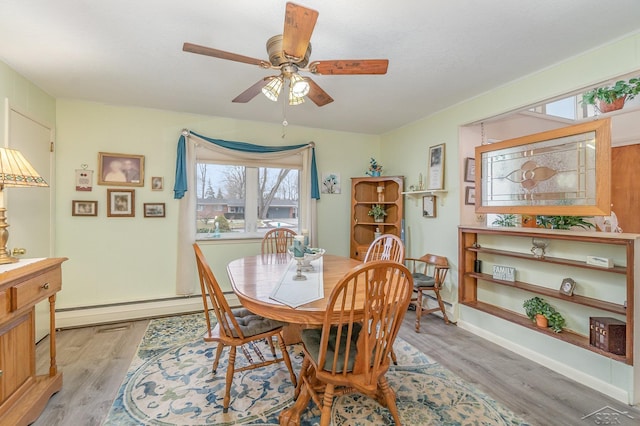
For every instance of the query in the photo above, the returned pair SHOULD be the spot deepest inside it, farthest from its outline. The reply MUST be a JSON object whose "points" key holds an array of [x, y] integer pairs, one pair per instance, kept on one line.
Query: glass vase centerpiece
{"points": [[304, 255]]}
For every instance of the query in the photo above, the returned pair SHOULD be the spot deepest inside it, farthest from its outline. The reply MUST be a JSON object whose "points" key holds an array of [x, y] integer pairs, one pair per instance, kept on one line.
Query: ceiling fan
{"points": [[289, 53]]}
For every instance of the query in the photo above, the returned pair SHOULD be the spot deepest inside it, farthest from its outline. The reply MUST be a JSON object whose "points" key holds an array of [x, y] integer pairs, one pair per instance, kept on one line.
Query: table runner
{"points": [[296, 293]]}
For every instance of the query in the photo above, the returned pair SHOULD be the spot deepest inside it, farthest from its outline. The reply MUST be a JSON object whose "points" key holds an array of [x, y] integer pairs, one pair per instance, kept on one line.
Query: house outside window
{"points": [[244, 201]]}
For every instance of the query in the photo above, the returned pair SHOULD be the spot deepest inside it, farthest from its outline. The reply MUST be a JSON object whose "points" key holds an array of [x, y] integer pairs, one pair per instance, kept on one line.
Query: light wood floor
{"points": [[94, 361]]}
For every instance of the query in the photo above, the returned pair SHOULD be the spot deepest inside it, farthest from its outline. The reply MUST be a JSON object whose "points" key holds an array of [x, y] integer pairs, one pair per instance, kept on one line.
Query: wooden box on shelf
{"points": [[608, 334], [366, 192]]}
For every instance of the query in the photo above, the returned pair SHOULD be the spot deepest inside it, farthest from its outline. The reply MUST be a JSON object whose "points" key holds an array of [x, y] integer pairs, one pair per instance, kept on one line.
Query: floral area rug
{"points": [[170, 383]]}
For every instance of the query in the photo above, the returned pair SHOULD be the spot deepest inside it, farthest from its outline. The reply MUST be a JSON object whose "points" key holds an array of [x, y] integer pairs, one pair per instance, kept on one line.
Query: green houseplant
{"points": [[537, 306], [611, 98], [507, 220], [378, 213], [564, 222]]}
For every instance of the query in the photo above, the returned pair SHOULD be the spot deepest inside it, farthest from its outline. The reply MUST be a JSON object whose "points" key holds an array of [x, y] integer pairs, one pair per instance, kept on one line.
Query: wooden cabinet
{"points": [[611, 291], [365, 192], [23, 393]]}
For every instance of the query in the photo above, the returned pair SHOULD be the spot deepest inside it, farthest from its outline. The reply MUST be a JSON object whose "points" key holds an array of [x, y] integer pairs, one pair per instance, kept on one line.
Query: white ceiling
{"points": [[129, 52]]}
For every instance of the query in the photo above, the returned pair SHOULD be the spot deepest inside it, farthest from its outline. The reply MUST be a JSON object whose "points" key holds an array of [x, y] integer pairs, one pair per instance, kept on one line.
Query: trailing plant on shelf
{"points": [[564, 222], [537, 306], [508, 220], [378, 212], [375, 169], [621, 92]]}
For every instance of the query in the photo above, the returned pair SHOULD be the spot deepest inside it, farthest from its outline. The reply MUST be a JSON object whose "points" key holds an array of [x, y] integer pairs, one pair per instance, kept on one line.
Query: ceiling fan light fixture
{"points": [[299, 86], [293, 99], [273, 88]]}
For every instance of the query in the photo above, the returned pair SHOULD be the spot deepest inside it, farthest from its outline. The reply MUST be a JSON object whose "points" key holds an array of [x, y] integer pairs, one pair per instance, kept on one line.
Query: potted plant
{"points": [[611, 98], [543, 314], [375, 169], [378, 213], [507, 220], [564, 222]]}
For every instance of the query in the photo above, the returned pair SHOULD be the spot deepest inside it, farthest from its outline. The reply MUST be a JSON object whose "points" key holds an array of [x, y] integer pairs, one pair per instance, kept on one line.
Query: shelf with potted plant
{"points": [[612, 97], [374, 193], [497, 245]]}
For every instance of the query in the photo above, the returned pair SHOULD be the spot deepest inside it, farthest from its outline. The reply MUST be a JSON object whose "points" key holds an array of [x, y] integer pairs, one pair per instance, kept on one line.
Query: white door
{"points": [[29, 209]]}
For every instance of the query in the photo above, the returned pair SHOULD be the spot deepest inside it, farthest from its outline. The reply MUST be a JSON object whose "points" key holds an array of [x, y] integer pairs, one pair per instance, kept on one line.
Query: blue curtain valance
{"points": [[180, 186]]}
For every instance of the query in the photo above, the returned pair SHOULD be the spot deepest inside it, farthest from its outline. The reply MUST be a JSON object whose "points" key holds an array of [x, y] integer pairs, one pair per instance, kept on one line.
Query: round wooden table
{"points": [[254, 278]]}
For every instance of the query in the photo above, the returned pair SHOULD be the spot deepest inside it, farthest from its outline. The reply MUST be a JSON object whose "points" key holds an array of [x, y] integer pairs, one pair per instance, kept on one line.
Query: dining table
{"points": [[254, 279]]}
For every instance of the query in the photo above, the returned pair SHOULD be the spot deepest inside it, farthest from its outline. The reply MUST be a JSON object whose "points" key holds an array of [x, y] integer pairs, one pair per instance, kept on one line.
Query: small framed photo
{"points": [[567, 287], [469, 169], [154, 210], [429, 206], [84, 208], [470, 195], [436, 167], [121, 202], [157, 183], [120, 169]]}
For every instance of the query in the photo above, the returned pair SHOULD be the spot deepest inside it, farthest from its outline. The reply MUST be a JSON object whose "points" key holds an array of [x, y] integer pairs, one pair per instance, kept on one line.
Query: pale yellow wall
{"points": [[132, 259]]}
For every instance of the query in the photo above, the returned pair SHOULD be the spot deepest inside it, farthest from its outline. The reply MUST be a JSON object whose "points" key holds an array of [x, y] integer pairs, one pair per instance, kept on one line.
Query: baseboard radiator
{"points": [[130, 311]]}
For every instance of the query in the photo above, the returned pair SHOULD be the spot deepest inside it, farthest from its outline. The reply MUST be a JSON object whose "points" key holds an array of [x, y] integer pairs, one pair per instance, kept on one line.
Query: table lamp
{"points": [[15, 171]]}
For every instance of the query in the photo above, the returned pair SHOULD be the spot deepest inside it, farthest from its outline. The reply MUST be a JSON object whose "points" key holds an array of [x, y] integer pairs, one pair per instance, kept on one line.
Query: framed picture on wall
{"points": [[120, 169], [84, 208], [154, 210], [157, 183], [121, 202], [470, 195], [436, 167], [429, 206], [469, 169]]}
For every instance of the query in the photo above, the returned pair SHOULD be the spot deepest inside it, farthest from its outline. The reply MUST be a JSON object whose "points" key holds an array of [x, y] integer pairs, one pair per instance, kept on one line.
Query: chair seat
{"points": [[423, 280], [251, 324], [311, 339]]}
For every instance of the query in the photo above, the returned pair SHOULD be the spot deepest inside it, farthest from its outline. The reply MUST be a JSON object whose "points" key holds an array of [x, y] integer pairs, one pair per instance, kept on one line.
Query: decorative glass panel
{"points": [[560, 172]]}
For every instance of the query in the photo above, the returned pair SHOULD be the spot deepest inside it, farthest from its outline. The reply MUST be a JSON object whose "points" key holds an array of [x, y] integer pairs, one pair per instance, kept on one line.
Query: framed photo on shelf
{"points": [[469, 169], [154, 210], [84, 208], [436, 167], [157, 183], [567, 287], [121, 202], [429, 206], [470, 195], [120, 169]]}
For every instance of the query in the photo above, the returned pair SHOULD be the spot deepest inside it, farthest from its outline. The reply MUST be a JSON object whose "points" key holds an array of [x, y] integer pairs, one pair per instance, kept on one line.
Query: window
{"points": [[239, 201]]}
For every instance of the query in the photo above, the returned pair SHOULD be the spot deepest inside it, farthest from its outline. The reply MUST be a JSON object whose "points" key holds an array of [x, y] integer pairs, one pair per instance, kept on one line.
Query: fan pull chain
{"points": [[285, 123]]}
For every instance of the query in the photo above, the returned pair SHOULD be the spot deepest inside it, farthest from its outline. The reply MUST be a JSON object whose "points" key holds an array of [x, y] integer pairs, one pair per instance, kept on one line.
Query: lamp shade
{"points": [[273, 87], [299, 87], [15, 170]]}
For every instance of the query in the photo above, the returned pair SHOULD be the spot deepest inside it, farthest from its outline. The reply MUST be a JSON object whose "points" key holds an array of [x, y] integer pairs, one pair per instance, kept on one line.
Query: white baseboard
{"points": [[564, 369], [80, 317]]}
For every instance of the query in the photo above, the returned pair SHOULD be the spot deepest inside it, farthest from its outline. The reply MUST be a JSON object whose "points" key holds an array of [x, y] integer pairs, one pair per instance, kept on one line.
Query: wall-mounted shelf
{"points": [[440, 193], [468, 293]]}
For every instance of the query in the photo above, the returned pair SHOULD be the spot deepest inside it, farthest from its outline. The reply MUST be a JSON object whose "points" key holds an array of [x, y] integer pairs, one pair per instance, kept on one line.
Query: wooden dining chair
{"points": [[277, 240], [350, 353], [429, 273], [236, 327], [386, 247]]}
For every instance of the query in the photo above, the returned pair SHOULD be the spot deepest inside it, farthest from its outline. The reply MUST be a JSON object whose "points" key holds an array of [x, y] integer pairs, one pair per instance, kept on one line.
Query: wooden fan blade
{"points": [[298, 26], [209, 51], [251, 92], [350, 66], [316, 94]]}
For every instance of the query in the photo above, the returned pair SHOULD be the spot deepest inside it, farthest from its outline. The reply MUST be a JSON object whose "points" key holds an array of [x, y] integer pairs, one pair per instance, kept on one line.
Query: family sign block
{"points": [[504, 273]]}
